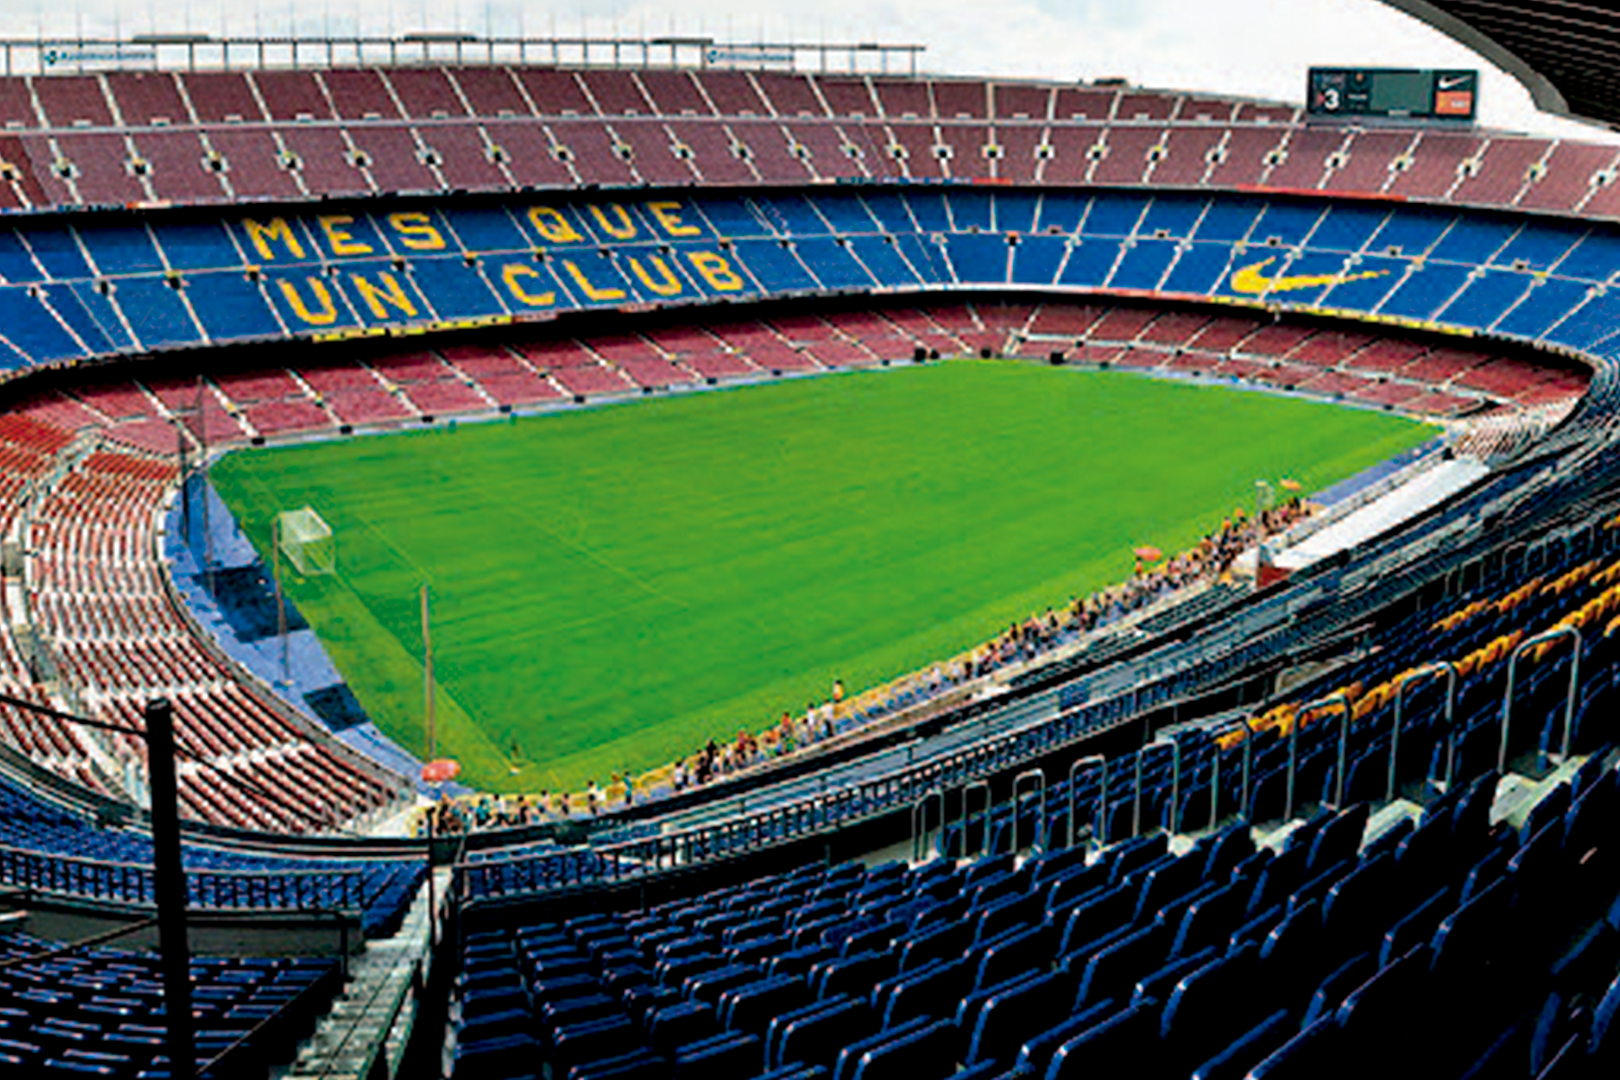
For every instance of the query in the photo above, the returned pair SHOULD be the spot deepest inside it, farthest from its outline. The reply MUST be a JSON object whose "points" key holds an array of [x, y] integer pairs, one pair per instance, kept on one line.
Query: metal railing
{"points": [[197, 51], [1338, 701], [1016, 801], [1099, 817], [133, 883], [1546, 637], [1427, 671]]}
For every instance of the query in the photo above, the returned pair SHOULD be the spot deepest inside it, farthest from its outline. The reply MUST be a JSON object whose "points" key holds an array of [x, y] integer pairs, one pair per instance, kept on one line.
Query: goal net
{"points": [[307, 541]]}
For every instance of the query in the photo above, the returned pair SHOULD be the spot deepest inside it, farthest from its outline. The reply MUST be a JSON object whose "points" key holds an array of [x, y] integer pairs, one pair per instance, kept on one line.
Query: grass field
{"points": [[612, 586]]}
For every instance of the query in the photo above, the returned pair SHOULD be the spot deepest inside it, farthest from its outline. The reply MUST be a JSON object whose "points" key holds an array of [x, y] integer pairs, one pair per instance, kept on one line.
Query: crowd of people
{"points": [[1209, 561]]}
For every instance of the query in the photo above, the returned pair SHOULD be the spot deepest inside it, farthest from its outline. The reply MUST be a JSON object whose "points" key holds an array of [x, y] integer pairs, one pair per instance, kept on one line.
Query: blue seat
{"points": [[1417, 926], [777, 1028], [1339, 838], [731, 1056], [816, 1039], [1097, 915], [638, 1064], [1387, 1001], [1111, 1049], [1225, 850], [708, 985], [1008, 1018], [674, 1026], [929, 1051], [1311, 1054], [1006, 913], [1209, 920], [578, 1044], [1425, 857], [1016, 951], [750, 1007], [967, 1009], [1249, 1048], [851, 1050], [929, 991], [1468, 939], [1214, 1000], [1168, 881], [1361, 903], [934, 943], [1114, 969], [1035, 1054], [510, 1056], [1338, 984], [798, 961], [1281, 876], [1257, 927], [796, 1071], [1159, 984], [1129, 855]]}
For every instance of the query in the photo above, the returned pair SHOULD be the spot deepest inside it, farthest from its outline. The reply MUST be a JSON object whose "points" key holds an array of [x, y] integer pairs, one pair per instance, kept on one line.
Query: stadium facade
{"points": [[1360, 818]]}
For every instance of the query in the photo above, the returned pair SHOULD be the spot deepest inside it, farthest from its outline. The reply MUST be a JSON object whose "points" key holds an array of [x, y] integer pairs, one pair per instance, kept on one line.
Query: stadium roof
{"points": [[1563, 51]]}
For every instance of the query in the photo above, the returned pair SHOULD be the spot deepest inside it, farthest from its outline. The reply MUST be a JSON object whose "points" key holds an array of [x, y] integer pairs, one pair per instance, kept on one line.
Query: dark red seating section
{"points": [[361, 130], [97, 594]]}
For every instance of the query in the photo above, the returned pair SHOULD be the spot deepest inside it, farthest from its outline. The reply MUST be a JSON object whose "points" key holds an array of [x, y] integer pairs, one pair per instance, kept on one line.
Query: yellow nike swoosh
{"points": [[1252, 280]]}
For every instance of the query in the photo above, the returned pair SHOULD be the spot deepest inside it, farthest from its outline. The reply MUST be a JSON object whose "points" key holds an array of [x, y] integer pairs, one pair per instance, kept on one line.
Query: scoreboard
{"points": [[1394, 93]]}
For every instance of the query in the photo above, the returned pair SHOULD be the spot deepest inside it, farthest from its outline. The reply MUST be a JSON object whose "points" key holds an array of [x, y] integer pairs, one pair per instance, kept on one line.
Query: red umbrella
{"points": [[1148, 553], [440, 771]]}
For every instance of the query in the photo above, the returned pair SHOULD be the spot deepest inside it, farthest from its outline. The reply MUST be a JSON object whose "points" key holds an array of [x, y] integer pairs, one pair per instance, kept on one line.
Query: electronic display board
{"points": [[1393, 93]]}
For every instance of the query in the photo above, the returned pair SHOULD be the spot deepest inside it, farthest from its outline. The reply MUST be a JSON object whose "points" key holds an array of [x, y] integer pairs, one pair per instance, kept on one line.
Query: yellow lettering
{"points": [[669, 286], [326, 316], [624, 230], [380, 298], [416, 231], [592, 292], [275, 229], [716, 271], [340, 240], [551, 224], [668, 215], [512, 272]]}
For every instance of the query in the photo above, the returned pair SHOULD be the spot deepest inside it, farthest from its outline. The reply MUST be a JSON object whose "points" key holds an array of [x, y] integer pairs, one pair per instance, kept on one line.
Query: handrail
{"points": [[1040, 791], [1544, 638], [1074, 830], [1246, 791], [1427, 671], [71, 875], [1175, 786], [919, 817], [1136, 802], [1337, 700], [984, 816]]}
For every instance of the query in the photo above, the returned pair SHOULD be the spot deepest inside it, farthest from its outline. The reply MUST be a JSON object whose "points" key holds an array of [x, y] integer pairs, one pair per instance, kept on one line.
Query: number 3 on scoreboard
{"points": [[1330, 98]]}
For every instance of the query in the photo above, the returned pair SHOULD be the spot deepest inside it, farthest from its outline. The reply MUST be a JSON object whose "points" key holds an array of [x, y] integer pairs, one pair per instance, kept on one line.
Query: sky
{"points": [[1258, 48]]}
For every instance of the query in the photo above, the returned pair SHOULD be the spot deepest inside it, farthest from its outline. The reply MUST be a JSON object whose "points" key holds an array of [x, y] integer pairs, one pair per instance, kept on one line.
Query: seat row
{"points": [[1335, 948]]}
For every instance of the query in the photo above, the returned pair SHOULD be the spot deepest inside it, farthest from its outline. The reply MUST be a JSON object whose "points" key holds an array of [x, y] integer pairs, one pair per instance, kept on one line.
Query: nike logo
{"points": [[1451, 82], [1252, 280]]}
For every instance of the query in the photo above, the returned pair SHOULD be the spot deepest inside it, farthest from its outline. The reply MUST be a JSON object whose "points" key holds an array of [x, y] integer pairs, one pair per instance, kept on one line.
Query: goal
{"points": [[307, 541]]}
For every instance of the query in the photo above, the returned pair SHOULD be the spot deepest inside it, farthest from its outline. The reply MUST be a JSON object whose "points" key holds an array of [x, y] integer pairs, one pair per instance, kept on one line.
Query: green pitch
{"points": [[611, 587]]}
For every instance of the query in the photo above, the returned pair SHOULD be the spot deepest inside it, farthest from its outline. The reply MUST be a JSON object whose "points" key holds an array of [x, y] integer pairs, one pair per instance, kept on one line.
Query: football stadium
{"points": [[568, 558]]}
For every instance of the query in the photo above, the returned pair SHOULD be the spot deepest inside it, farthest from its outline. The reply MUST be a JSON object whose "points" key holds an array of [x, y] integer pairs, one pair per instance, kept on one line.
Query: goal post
{"points": [[307, 541]]}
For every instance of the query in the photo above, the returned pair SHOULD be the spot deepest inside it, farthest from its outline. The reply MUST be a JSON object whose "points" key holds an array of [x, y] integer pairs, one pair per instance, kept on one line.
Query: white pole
{"points": [[281, 600], [427, 678]]}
